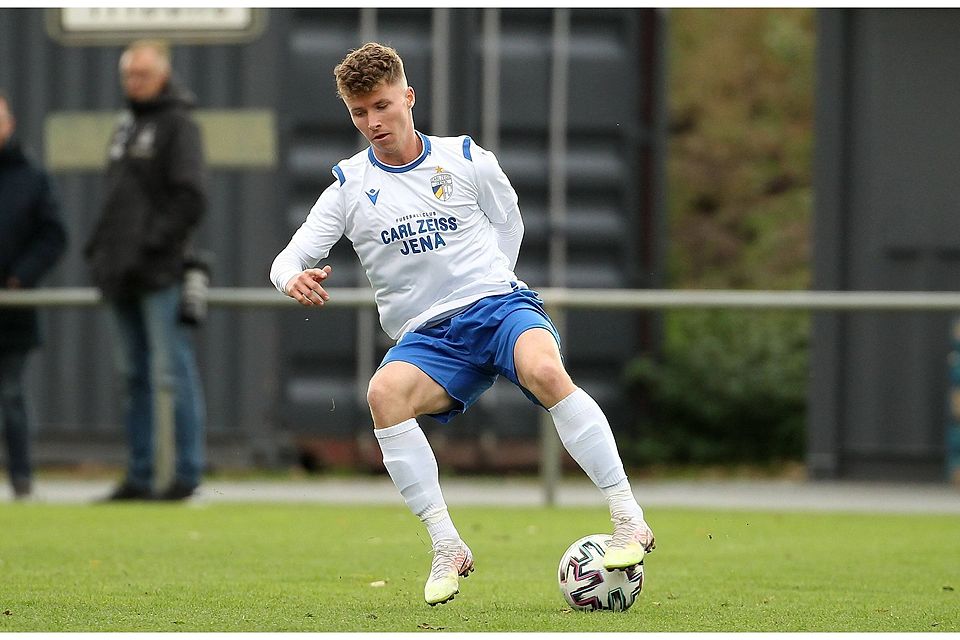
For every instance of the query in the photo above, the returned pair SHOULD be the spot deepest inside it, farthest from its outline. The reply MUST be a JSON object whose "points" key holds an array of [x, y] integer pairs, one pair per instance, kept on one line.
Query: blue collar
{"points": [[413, 164]]}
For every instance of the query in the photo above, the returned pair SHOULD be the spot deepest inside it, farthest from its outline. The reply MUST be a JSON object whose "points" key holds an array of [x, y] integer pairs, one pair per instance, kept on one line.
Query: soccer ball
{"points": [[587, 586]]}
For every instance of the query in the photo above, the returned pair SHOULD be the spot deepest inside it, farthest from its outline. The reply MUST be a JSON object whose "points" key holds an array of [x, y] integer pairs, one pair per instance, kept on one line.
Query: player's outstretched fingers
{"points": [[305, 287], [311, 279], [314, 295]]}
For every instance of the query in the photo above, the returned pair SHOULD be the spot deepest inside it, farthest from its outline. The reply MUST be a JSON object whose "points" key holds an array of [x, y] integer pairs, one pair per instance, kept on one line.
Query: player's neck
{"points": [[409, 151]]}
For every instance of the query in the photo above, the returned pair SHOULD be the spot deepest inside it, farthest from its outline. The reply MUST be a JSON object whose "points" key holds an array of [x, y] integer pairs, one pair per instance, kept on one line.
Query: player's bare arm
{"points": [[306, 289]]}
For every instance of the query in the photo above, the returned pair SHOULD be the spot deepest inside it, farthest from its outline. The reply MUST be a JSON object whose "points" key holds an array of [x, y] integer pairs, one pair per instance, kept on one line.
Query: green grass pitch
{"points": [[255, 567]]}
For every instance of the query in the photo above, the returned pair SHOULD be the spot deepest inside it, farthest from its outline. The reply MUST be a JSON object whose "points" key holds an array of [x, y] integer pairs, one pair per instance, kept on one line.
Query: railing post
{"points": [[164, 435], [550, 449]]}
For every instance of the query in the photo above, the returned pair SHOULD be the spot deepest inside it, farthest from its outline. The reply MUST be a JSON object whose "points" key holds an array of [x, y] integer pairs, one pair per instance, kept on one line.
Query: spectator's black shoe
{"points": [[177, 491], [127, 491], [22, 488]]}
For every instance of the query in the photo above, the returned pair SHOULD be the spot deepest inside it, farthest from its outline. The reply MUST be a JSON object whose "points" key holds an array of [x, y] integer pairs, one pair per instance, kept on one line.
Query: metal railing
{"points": [[557, 300], [622, 299]]}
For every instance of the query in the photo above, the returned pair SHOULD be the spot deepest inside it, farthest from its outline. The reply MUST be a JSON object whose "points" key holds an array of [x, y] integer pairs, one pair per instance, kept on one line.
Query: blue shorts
{"points": [[465, 353]]}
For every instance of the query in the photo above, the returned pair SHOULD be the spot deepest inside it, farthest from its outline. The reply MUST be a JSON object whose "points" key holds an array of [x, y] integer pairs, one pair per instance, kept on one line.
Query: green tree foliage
{"points": [[741, 139], [730, 385]]}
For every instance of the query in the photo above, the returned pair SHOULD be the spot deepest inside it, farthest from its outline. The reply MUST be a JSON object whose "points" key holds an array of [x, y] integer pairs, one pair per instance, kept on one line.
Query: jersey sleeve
{"points": [[312, 242], [498, 201]]}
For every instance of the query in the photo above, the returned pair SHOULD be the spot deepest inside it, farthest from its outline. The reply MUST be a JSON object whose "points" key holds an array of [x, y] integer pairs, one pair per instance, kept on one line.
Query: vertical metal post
{"points": [[164, 428], [440, 78], [368, 24], [550, 448], [366, 350], [490, 114], [366, 316], [557, 148]]}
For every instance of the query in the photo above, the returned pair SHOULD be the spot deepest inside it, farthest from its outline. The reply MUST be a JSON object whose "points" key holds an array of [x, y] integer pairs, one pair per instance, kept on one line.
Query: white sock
{"points": [[621, 501], [413, 468], [586, 435]]}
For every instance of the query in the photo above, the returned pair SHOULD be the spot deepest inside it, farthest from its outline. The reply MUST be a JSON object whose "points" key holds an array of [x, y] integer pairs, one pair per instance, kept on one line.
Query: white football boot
{"points": [[451, 560], [632, 539]]}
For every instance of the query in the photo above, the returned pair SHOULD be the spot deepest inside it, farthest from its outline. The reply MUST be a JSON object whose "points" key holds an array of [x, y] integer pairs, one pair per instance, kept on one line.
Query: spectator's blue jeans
{"points": [[157, 354], [13, 412]]}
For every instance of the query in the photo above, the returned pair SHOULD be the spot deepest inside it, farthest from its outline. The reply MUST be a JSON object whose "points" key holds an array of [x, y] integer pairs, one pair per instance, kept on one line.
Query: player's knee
{"points": [[382, 394], [546, 376]]}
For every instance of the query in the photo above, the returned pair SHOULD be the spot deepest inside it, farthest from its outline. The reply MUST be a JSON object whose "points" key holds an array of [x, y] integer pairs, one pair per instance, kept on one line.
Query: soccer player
{"points": [[436, 225]]}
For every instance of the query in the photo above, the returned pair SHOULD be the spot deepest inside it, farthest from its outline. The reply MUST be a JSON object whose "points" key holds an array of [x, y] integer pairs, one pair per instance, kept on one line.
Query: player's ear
{"points": [[411, 97]]}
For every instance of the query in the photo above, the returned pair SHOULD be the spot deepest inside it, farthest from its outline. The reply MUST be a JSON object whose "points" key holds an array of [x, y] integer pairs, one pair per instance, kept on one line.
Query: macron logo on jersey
{"points": [[373, 194]]}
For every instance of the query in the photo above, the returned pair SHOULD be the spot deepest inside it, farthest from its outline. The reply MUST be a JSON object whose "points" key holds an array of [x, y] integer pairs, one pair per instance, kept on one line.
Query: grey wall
{"points": [[887, 201], [273, 377], [74, 390]]}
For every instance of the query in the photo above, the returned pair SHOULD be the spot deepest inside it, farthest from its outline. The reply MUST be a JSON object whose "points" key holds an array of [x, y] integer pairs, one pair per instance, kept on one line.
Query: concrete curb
{"points": [[772, 495]]}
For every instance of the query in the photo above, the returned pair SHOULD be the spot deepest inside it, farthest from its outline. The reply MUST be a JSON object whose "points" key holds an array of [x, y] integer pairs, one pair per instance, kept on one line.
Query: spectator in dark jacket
{"points": [[32, 239], [154, 198]]}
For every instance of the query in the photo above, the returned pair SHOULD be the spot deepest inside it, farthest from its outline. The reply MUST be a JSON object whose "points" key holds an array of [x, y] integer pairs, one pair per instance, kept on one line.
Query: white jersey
{"points": [[434, 235]]}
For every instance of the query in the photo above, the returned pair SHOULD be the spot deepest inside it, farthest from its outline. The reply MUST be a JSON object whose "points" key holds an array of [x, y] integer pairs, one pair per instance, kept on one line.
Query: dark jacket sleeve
{"points": [[48, 241], [187, 201]]}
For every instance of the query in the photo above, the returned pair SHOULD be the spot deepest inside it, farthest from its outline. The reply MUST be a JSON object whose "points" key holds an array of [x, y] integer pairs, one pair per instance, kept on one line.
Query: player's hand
{"points": [[305, 287]]}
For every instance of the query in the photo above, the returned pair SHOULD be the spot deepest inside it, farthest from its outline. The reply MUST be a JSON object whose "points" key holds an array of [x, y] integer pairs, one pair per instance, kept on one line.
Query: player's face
{"points": [[385, 118]]}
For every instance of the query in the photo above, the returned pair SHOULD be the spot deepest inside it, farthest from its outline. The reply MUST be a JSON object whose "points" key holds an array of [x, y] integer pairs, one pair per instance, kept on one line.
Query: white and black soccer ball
{"points": [[587, 586]]}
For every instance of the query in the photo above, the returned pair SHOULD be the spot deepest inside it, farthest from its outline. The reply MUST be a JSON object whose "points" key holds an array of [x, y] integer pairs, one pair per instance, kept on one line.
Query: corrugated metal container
{"points": [[267, 374], [888, 147]]}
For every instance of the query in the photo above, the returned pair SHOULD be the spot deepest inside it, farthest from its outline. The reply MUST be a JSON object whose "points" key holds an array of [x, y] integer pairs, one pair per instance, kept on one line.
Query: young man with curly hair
{"points": [[436, 225]]}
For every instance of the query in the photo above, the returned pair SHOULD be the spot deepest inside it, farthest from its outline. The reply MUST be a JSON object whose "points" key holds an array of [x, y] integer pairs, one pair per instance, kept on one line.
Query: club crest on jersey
{"points": [[442, 184]]}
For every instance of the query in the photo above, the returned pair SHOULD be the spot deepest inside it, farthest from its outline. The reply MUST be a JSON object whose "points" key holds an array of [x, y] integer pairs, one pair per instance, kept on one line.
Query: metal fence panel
{"points": [[887, 194]]}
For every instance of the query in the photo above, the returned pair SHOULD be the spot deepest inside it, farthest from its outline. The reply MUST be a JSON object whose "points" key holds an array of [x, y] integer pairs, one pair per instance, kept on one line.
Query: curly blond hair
{"points": [[366, 68]]}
